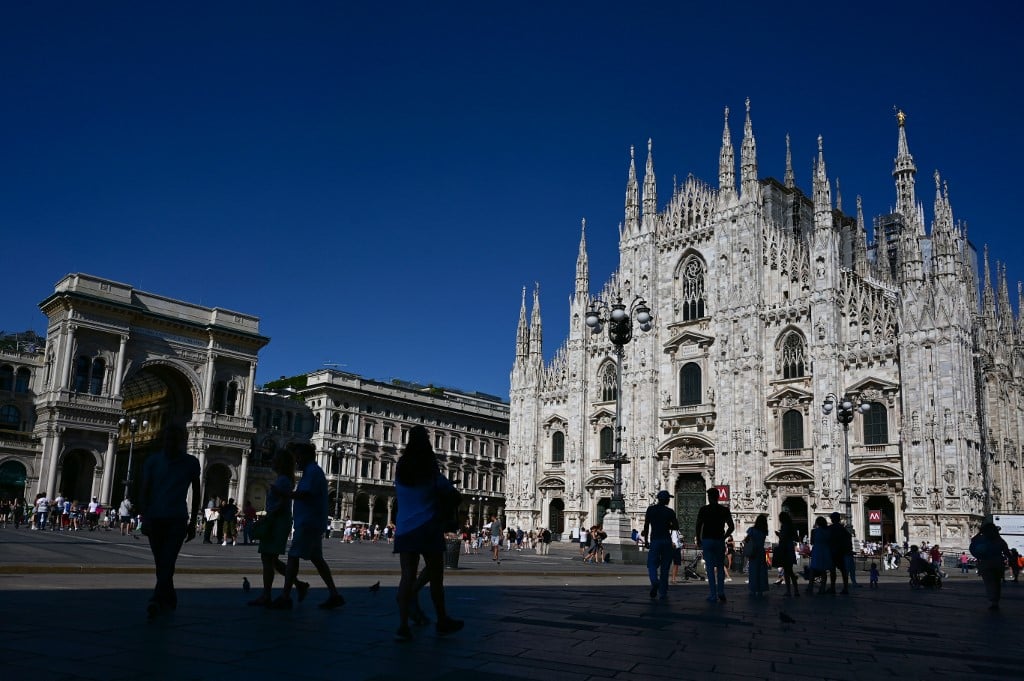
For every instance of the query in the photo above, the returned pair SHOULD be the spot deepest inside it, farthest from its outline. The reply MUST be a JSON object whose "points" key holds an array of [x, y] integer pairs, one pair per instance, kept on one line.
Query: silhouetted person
{"points": [[990, 549], [166, 519], [714, 524], [659, 521], [840, 545]]}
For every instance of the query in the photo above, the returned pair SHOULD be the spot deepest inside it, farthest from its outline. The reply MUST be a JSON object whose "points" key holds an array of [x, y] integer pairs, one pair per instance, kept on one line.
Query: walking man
{"points": [[309, 517], [840, 544], [659, 522], [714, 524], [166, 520]]}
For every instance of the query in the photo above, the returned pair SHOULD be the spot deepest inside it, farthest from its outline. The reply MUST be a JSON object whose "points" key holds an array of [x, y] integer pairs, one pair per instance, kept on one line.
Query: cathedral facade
{"points": [[766, 300]]}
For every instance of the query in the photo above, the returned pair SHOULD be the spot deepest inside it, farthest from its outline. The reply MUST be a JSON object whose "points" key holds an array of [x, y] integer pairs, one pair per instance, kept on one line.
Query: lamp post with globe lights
{"points": [[619, 319], [133, 427], [845, 409]]}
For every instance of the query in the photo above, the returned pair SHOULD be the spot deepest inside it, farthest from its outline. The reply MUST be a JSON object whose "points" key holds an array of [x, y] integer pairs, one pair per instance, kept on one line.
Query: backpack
{"points": [[984, 548]]}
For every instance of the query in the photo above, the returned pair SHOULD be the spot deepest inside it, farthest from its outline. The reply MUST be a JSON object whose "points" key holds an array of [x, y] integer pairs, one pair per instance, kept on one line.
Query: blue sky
{"points": [[377, 181]]}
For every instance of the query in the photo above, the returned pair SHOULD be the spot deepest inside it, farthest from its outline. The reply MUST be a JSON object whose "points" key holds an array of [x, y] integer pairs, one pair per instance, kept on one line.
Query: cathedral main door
{"points": [[690, 495]]}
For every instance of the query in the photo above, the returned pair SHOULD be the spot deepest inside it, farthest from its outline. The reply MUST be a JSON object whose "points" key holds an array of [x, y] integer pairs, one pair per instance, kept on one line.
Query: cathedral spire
{"points": [[650, 186], [582, 267], [860, 242], [789, 180], [883, 263], [1005, 311], [903, 172], [748, 158], [839, 196], [522, 333], [822, 191], [988, 296], [632, 195], [726, 163], [536, 349], [944, 248]]}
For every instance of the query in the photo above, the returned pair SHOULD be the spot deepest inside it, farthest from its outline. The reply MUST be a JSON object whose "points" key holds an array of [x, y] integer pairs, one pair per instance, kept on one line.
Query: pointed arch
{"points": [[607, 381], [690, 284], [791, 353]]}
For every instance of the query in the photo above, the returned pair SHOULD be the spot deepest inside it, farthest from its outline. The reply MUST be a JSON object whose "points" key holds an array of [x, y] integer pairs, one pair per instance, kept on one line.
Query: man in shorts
{"points": [[496, 536], [714, 524], [309, 517]]}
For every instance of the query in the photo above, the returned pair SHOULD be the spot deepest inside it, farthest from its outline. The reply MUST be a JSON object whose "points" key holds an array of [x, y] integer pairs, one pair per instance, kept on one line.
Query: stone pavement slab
{"points": [[566, 627]]}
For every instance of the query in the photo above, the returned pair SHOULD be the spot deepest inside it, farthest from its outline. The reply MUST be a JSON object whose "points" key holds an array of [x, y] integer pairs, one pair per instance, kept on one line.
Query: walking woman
{"points": [[420, 488], [821, 555], [785, 555], [279, 519], [753, 549]]}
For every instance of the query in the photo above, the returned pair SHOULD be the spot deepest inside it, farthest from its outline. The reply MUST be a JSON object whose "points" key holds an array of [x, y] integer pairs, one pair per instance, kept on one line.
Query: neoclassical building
{"points": [[765, 300]]}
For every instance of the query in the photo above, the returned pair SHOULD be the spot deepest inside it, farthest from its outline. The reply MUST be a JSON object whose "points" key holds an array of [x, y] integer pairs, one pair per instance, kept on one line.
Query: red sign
{"points": [[723, 493], [874, 516]]}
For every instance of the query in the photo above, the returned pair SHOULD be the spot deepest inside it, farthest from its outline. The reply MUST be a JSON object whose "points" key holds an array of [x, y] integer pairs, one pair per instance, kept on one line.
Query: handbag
{"points": [[446, 509], [261, 528]]}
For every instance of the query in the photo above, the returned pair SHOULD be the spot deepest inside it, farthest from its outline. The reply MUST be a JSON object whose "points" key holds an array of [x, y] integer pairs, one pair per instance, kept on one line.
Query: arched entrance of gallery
{"points": [[78, 471], [556, 517], [796, 507], [12, 480]]}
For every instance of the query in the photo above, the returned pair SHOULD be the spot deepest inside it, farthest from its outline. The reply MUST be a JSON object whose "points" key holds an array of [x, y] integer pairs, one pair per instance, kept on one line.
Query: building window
{"points": [[607, 444], [276, 423], [792, 430], [691, 284], [219, 392], [453, 444], [316, 423], [335, 422], [6, 377], [387, 433], [256, 416], [368, 431], [609, 384], [297, 424], [558, 447], [438, 441], [366, 468], [793, 354], [232, 399], [22, 380], [876, 425], [405, 436], [689, 384], [80, 382], [344, 424], [10, 417], [469, 446], [288, 421], [483, 448]]}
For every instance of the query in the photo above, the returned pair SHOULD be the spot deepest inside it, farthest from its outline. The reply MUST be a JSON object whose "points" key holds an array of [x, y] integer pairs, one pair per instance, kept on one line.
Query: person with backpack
{"points": [[990, 549]]}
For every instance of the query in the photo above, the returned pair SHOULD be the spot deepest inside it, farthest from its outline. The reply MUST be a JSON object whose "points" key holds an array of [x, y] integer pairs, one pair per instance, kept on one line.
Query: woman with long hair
{"points": [[420, 487], [753, 549], [785, 556], [279, 517]]}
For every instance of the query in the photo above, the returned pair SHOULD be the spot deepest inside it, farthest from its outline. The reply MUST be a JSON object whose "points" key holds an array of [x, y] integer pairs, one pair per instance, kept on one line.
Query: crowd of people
{"points": [[63, 514]]}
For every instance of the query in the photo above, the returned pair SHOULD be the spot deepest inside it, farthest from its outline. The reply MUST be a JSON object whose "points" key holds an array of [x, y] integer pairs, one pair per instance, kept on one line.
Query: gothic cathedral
{"points": [[767, 300]]}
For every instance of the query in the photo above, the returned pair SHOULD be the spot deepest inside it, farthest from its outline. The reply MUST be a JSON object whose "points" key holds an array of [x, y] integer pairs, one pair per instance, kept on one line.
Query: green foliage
{"points": [[295, 382]]}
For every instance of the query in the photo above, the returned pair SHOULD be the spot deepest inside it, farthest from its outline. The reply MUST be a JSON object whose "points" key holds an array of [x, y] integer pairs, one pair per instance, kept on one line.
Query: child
{"points": [[874, 575]]}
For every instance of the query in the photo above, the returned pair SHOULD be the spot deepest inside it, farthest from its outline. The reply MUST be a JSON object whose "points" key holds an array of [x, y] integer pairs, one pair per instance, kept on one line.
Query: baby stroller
{"points": [[690, 569], [925, 577]]}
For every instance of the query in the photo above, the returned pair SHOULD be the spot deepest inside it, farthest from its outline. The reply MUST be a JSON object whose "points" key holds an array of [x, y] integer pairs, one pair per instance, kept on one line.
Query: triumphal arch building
{"points": [[115, 354]]}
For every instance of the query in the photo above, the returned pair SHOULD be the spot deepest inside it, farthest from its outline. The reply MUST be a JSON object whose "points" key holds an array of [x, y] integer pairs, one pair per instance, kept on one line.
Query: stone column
{"points": [[243, 478], [250, 390], [372, 501], [119, 372], [54, 454], [106, 487], [202, 472], [391, 509], [65, 370], [208, 383]]}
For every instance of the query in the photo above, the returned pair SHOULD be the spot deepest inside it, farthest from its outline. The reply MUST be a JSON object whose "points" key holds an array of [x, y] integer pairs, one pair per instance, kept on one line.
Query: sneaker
{"points": [[721, 598], [301, 589], [728, 579], [335, 601], [448, 625], [223, 543], [403, 634], [234, 543], [711, 599], [280, 603]]}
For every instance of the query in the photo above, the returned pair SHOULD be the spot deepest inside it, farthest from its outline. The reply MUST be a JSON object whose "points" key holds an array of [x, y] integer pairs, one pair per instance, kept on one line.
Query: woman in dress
{"points": [[821, 556], [279, 517], [753, 549], [418, 532], [785, 555]]}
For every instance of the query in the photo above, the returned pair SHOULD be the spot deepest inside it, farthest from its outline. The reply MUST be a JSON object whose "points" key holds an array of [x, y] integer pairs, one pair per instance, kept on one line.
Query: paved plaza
{"points": [[73, 607]]}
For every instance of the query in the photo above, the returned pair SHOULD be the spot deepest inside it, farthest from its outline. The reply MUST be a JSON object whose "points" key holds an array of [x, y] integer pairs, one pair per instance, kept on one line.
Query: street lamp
{"points": [[133, 427], [337, 451], [479, 501], [619, 319], [845, 409]]}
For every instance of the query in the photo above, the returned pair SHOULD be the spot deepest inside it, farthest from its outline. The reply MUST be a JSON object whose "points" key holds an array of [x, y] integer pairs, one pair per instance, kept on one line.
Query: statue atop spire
{"points": [[650, 185], [632, 194], [822, 191], [582, 266], [748, 158], [789, 179], [726, 163], [903, 172]]}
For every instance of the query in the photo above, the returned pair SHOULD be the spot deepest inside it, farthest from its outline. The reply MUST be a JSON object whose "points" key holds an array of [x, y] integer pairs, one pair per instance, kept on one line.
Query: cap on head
{"points": [[663, 495]]}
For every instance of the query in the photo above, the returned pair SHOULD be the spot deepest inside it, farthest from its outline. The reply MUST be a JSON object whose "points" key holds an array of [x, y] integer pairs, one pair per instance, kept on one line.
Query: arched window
{"points": [[22, 380], [276, 423], [792, 430], [689, 384], [297, 425], [288, 423], [10, 417], [232, 399], [6, 377], [793, 354], [99, 370], [609, 386], [335, 422], [256, 416], [316, 423], [80, 382], [344, 424], [876, 425], [220, 389], [691, 288], [607, 443], [558, 446]]}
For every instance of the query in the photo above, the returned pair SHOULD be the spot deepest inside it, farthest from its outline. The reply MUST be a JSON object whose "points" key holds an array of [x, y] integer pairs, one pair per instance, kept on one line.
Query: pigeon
{"points": [[245, 584], [785, 618], [375, 588]]}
